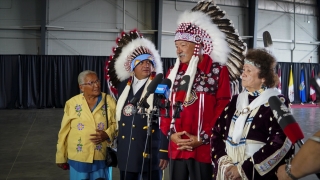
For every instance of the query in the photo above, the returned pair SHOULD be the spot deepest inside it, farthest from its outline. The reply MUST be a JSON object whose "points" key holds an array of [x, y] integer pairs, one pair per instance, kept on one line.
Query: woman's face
{"points": [[91, 85], [250, 78]]}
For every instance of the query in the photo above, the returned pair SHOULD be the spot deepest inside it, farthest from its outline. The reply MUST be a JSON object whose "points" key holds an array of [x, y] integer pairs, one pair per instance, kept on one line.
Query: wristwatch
{"points": [[288, 169]]}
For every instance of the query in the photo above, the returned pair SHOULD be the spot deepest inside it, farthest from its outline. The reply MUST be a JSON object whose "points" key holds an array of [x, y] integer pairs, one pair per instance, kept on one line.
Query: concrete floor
{"points": [[29, 137]]}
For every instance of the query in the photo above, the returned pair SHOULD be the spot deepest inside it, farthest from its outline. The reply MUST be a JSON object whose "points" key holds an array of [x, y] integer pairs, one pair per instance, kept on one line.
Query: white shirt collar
{"points": [[137, 84]]}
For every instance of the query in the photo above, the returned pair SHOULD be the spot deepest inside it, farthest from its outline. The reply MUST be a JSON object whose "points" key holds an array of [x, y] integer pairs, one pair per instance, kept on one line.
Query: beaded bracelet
{"points": [[288, 168]]}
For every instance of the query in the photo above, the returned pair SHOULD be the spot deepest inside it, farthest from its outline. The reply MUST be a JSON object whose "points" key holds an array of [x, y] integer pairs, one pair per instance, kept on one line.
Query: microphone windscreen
{"points": [[285, 119], [154, 83], [163, 89], [182, 89], [167, 82]]}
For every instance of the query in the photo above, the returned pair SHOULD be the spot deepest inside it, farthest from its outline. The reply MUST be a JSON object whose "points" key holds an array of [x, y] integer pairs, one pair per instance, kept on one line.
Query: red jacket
{"points": [[211, 80]]}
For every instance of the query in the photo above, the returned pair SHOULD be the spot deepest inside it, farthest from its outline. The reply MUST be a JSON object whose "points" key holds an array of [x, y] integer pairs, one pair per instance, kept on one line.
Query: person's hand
{"points": [[191, 144], [232, 173], [99, 137], [282, 174], [163, 164], [176, 137], [64, 166]]}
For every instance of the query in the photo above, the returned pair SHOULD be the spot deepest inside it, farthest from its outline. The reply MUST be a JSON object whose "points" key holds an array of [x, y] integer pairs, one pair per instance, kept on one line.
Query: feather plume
{"points": [[237, 55], [198, 6], [229, 29], [236, 47], [124, 40], [129, 46], [237, 62], [233, 36], [213, 8], [218, 15], [239, 44], [205, 6], [222, 22]]}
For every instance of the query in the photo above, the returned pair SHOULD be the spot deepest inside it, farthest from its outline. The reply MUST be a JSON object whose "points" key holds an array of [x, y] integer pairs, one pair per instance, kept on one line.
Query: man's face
{"points": [[143, 69], [184, 50]]}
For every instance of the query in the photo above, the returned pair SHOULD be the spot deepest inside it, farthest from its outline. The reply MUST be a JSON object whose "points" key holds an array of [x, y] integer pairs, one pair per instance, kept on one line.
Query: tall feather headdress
{"points": [[130, 46], [207, 25], [131, 49]]}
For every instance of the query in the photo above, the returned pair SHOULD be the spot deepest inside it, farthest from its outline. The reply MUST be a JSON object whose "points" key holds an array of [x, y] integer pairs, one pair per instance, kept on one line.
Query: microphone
{"points": [[134, 100], [286, 121], [181, 95], [163, 89], [182, 89], [163, 92], [150, 89]]}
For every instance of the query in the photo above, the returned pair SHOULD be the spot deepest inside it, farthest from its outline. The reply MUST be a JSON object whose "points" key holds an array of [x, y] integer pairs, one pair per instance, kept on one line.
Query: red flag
{"points": [[312, 91]]}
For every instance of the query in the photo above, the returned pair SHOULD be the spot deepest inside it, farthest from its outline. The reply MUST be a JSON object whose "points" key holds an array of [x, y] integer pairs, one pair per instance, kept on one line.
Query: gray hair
{"points": [[83, 74]]}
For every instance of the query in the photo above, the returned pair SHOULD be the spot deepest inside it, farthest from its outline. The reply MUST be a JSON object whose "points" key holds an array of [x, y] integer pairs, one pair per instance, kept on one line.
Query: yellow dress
{"points": [[78, 123]]}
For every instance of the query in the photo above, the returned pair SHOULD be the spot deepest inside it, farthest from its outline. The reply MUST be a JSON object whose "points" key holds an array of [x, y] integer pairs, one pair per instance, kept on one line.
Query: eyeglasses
{"points": [[92, 83]]}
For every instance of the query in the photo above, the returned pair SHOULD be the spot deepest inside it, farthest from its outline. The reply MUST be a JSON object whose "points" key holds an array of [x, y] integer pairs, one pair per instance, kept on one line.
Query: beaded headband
{"points": [[246, 61], [198, 27], [192, 33], [141, 58]]}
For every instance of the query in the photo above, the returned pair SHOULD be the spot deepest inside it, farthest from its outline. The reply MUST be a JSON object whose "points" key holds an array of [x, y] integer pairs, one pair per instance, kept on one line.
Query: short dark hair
{"points": [[267, 63]]}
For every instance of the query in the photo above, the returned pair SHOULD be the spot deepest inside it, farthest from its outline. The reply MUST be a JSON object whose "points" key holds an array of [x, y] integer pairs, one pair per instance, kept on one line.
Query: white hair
{"points": [[83, 74]]}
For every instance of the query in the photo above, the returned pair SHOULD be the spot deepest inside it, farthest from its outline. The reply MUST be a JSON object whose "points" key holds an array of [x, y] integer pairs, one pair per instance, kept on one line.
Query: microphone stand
{"points": [[178, 109], [148, 151]]}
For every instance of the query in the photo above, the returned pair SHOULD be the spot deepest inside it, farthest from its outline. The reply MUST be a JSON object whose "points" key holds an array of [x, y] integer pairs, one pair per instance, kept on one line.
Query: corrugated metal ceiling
{"points": [[307, 7]]}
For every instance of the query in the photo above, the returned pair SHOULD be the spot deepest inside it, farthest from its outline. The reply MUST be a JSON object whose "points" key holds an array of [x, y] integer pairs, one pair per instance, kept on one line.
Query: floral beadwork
{"points": [[79, 145], [99, 147], [80, 126], [103, 109], [100, 126], [78, 109]]}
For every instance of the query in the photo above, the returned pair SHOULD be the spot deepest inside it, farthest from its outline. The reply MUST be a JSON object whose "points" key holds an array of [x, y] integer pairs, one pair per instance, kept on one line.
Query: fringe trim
{"points": [[122, 99], [173, 74], [236, 152], [149, 99], [241, 172], [223, 163], [191, 71]]}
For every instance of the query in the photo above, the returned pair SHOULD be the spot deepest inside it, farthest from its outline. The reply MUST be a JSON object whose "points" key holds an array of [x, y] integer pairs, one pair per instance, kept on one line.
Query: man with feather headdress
{"points": [[129, 72], [205, 44]]}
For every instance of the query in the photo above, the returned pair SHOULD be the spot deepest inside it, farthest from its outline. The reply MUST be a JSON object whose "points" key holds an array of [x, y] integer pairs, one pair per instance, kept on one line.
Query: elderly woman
{"points": [[247, 141], [87, 127]]}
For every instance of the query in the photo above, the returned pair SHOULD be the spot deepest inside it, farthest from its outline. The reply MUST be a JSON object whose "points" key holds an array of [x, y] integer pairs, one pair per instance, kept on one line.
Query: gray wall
{"points": [[90, 27]]}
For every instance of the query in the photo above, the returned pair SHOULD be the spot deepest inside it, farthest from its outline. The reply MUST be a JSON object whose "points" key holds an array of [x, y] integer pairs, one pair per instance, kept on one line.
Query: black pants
{"points": [[183, 169], [156, 175]]}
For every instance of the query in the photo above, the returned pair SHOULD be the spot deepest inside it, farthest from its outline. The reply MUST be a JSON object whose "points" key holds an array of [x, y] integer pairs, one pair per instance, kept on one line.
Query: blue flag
{"points": [[302, 87]]}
